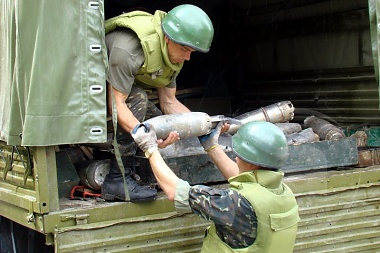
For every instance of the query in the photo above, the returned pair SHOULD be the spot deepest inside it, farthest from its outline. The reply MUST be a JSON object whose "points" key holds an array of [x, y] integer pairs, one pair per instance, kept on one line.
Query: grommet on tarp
{"points": [[96, 131], [93, 5], [96, 89], [96, 48]]}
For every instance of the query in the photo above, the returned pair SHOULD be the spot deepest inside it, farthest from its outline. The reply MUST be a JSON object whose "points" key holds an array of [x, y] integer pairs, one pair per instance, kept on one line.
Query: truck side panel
{"points": [[339, 213]]}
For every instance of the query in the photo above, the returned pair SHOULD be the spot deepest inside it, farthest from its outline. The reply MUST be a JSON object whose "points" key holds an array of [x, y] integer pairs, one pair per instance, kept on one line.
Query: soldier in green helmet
{"points": [[147, 52], [258, 212]]}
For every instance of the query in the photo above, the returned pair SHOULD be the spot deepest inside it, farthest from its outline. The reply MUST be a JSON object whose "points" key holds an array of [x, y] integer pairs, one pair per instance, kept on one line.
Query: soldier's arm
{"points": [[226, 166], [169, 104], [164, 175], [125, 118], [220, 206]]}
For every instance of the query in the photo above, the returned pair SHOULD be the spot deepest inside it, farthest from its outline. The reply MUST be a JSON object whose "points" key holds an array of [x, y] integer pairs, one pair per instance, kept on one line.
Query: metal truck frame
{"points": [[51, 49]]}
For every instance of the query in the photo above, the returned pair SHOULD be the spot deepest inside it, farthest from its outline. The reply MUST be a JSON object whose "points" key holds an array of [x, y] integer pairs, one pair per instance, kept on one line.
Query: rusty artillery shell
{"points": [[324, 129]]}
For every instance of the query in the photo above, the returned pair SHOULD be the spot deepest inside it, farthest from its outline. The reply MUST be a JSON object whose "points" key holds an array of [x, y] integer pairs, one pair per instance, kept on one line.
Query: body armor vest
{"points": [[157, 70], [276, 211]]}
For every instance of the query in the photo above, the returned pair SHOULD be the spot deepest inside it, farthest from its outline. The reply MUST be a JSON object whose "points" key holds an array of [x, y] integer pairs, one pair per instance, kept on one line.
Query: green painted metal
{"points": [[45, 176], [16, 164], [339, 213], [339, 210], [373, 137], [106, 213], [155, 233], [39, 193], [66, 173]]}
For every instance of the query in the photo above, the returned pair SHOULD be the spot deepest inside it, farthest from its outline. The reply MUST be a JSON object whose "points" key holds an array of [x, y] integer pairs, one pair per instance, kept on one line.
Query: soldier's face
{"points": [[178, 53]]}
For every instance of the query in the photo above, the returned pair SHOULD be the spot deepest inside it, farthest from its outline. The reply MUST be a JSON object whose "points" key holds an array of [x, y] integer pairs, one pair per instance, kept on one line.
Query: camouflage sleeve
{"points": [[224, 207]]}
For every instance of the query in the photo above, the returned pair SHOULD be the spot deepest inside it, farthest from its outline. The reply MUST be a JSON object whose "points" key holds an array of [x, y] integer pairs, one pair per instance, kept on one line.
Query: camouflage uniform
{"points": [[233, 215], [141, 108]]}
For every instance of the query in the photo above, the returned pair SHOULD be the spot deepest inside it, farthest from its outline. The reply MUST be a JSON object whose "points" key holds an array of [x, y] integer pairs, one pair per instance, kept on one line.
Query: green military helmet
{"points": [[189, 25], [261, 143]]}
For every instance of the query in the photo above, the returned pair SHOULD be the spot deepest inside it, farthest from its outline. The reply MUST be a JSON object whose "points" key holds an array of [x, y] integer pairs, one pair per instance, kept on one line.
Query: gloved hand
{"points": [[144, 136], [210, 141]]}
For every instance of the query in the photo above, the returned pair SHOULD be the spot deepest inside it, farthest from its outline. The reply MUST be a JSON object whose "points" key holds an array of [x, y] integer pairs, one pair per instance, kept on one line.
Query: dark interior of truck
{"points": [[316, 54]]}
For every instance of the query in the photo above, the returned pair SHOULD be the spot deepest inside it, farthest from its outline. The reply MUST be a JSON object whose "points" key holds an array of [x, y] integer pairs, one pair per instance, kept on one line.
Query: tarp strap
{"points": [[116, 146]]}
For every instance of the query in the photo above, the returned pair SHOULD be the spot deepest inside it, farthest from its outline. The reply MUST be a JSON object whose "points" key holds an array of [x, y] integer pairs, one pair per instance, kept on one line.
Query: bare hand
{"points": [[172, 138], [225, 128]]}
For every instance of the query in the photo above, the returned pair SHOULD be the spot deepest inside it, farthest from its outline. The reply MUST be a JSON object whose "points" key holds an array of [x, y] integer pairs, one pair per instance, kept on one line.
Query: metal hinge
{"points": [[80, 219]]}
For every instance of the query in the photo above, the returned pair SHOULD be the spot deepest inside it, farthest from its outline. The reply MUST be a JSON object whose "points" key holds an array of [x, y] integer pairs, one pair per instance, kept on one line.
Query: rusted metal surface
{"points": [[369, 157], [324, 129], [361, 137]]}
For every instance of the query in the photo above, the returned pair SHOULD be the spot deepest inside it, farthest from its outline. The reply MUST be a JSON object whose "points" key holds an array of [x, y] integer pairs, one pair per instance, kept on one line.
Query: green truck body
{"points": [[320, 55]]}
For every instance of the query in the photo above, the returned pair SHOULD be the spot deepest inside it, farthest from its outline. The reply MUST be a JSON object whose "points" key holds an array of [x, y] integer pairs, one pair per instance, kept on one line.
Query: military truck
{"points": [[321, 55]]}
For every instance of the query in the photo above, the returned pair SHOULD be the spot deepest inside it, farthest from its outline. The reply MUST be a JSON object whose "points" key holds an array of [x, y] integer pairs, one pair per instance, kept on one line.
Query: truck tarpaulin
{"points": [[52, 72], [374, 17]]}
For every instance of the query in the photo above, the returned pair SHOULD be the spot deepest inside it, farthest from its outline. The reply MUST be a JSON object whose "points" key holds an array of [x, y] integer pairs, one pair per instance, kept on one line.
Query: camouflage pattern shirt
{"points": [[233, 215]]}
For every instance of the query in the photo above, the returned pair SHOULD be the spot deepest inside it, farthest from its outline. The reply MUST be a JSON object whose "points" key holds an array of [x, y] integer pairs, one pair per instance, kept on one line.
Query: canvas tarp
{"points": [[52, 72], [374, 16]]}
